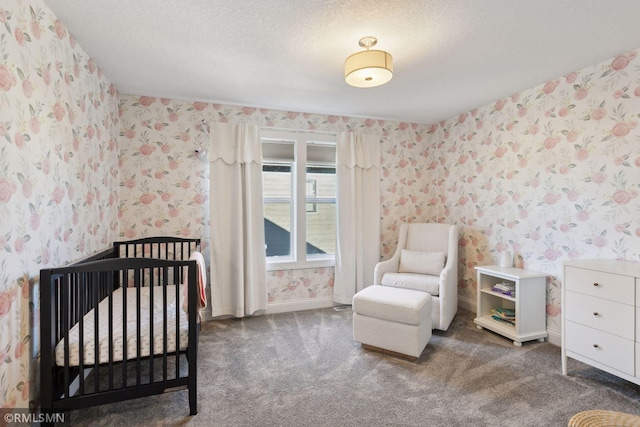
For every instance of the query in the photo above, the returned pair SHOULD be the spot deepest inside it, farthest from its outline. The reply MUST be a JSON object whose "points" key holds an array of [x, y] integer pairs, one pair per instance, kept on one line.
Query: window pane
{"points": [[276, 181], [314, 214], [277, 229], [321, 209], [325, 181], [321, 229], [311, 193]]}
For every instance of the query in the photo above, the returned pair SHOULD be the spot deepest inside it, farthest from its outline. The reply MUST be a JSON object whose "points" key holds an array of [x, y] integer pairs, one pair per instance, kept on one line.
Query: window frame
{"points": [[299, 200]]}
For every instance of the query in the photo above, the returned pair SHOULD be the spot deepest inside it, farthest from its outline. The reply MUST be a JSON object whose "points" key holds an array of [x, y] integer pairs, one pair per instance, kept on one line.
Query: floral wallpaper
{"points": [[295, 285], [58, 175], [165, 184], [551, 173]]}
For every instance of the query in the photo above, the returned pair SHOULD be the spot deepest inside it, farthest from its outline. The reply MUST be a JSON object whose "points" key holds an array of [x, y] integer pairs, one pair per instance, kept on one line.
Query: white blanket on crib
{"points": [[146, 307]]}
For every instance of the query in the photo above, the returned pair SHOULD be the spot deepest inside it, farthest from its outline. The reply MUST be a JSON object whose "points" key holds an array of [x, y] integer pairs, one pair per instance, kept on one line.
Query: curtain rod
{"points": [[297, 130], [204, 124], [321, 132]]}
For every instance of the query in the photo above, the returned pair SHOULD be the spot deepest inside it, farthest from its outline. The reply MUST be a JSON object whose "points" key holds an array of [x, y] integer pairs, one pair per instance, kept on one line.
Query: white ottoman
{"points": [[393, 319]]}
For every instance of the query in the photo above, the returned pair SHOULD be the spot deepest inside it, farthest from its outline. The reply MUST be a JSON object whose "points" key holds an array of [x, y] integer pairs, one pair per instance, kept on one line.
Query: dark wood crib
{"points": [[113, 326]]}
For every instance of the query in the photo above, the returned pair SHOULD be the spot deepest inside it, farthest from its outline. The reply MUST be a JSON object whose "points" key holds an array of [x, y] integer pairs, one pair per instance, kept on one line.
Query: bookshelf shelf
{"points": [[502, 326], [530, 317], [497, 294]]}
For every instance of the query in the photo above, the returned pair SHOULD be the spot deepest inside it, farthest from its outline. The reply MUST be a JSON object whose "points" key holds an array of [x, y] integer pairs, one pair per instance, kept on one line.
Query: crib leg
{"points": [[193, 402], [193, 384]]}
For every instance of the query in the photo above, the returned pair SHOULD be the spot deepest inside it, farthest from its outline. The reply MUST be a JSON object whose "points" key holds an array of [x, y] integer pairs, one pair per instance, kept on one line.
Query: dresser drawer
{"points": [[610, 350], [599, 284], [607, 316]]}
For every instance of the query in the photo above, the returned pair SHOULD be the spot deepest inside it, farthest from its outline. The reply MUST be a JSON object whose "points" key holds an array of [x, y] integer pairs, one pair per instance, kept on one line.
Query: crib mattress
{"points": [[146, 307]]}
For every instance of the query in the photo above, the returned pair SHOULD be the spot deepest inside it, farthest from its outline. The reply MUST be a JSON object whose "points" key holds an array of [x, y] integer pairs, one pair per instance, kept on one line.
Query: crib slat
{"points": [[110, 363], [177, 281], [165, 321], [138, 279], [95, 280], [57, 309], [65, 327], [78, 306], [125, 286], [152, 286]]}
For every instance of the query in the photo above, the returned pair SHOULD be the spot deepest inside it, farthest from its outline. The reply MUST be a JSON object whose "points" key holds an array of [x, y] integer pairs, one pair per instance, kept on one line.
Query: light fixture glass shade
{"points": [[368, 68]]}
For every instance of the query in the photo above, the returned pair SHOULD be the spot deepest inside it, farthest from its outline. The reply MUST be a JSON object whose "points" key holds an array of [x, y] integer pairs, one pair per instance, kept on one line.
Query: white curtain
{"points": [[238, 260], [358, 204]]}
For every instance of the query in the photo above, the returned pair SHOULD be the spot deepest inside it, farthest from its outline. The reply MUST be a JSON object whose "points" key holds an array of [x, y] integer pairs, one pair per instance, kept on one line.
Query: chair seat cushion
{"points": [[393, 304], [418, 282]]}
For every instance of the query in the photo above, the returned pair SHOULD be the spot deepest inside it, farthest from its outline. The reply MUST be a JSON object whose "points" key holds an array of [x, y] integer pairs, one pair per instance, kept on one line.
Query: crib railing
{"points": [[76, 289], [151, 247], [69, 293]]}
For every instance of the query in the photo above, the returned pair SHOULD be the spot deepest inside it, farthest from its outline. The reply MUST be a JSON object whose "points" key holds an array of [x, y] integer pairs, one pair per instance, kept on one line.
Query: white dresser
{"points": [[601, 316]]}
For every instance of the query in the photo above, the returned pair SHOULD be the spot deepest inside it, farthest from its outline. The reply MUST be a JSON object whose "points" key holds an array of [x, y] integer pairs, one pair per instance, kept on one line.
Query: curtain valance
{"points": [[358, 151], [233, 143]]}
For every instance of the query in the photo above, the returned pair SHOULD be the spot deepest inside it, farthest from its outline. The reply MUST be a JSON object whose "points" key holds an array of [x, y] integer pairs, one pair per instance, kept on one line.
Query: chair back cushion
{"points": [[428, 237], [421, 262]]}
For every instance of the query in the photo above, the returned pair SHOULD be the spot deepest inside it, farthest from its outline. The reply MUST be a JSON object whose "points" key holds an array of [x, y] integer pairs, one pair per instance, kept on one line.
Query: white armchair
{"points": [[417, 264]]}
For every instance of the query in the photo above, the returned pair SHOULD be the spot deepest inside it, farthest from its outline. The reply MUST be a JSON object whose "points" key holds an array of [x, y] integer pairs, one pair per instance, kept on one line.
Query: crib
{"points": [[119, 325]]}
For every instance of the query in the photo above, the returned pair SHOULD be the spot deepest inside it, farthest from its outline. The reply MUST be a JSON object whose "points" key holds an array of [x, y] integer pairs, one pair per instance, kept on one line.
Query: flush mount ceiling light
{"points": [[369, 68]]}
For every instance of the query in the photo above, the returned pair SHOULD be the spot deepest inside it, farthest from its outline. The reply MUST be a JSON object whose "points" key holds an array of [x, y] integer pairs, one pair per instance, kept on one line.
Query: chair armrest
{"points": [[449, 278], [391, 265], [388, 266], [449, 283]]}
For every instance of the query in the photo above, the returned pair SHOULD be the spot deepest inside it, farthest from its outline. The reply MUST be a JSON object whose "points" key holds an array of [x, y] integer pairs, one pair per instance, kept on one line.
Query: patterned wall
{"points": [[550, 174], [165, 186], [58, 174]]}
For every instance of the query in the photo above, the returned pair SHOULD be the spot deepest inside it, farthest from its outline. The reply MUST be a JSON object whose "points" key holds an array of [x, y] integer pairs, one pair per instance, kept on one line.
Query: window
{"points": [[299, 186]]}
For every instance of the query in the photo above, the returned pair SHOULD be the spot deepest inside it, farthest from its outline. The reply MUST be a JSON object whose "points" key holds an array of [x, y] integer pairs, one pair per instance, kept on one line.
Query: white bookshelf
{"points": [[529, 303]]}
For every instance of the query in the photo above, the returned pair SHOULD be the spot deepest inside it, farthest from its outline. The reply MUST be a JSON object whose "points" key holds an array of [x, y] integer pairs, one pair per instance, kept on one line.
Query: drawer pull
{"points": [[595, 313], [595, 346], [596, 284]]}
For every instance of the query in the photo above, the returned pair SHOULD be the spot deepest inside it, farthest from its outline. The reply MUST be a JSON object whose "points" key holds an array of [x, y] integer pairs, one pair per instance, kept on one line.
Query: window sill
{"points": [[299, 265]]}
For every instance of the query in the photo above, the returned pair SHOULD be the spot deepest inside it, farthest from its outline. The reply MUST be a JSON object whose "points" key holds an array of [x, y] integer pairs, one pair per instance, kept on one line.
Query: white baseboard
{"points": [[281, 307], [206, 315], [298, 305], [555, 337], [468, 304]]}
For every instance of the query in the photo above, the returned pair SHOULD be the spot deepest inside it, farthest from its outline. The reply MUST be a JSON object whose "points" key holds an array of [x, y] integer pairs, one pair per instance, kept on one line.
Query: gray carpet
{"points": [[303, 369]]}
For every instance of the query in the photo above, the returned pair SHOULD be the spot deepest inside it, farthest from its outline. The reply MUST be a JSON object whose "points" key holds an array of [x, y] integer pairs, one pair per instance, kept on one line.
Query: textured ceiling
{"points": [[449, 55]]}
